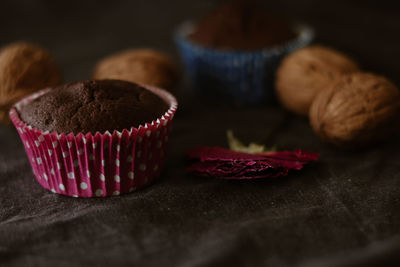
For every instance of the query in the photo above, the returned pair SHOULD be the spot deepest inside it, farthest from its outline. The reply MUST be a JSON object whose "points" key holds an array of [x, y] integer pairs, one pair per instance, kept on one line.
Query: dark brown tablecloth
{"points": [[342, 211]]}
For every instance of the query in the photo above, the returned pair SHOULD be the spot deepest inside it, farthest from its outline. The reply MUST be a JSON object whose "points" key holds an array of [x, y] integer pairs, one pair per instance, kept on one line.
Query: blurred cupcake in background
{"points": [[232, 53]]}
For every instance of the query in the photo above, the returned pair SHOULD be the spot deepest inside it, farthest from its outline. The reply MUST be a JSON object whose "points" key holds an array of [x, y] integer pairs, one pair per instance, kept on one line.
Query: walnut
{"points": [[359, 109], [24, 69], [143, 66], [305, 72]]}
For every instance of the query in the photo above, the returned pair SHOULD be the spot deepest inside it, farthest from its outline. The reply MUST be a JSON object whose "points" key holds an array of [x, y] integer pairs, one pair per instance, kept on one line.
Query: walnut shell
{"points": [[359, 109], [24, 69], [144, 66], [305, 72]]}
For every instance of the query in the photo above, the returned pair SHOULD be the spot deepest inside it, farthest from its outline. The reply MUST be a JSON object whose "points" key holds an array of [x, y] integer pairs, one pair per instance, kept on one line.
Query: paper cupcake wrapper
{"points": [[100, 164], [238, 77]]}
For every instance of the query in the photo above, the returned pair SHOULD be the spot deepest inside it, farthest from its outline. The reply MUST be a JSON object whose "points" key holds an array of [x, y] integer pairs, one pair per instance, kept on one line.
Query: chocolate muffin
{"points": [[240, 25], [93, 106]]}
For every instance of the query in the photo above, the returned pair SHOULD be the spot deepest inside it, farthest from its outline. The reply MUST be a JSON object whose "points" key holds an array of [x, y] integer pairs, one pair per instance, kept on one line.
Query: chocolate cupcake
{"points": [[95, 138], [234, 51], [93, 106]]}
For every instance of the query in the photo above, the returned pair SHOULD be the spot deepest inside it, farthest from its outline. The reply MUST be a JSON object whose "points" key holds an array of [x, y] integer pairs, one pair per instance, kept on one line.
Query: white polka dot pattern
{"points": [[97, 165], [84, 186], [142, 167], [99, 192]]}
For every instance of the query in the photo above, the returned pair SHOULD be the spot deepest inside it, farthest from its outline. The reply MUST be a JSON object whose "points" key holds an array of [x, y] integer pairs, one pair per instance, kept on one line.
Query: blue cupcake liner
{"points": [[241, 78]]}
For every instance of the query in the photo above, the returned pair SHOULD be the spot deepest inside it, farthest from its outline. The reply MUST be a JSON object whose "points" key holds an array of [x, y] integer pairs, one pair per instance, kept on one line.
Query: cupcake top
{"points": [[241, 26], [93, 106]]}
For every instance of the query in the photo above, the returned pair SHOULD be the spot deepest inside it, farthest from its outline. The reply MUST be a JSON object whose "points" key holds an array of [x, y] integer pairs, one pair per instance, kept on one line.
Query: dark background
{"points": [[342, 211]]}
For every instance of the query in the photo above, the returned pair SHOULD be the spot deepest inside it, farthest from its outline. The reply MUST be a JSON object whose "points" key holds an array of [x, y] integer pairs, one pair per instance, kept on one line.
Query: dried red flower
{"points": [[228, 164]]}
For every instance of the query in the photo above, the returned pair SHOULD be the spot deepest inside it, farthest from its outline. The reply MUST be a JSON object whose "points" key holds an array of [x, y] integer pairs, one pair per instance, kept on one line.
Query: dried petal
{"points": [[220, 154], [227, 164]]}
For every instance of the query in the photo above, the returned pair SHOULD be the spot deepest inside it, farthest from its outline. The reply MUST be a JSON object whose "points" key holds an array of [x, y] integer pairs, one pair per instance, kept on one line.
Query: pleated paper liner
{"points": [[241, 78], [100, 164]]}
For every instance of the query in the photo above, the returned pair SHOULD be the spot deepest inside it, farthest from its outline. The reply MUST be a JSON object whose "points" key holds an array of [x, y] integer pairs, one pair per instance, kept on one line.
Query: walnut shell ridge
{"points": [[24, 69], [145, 66], [357, 110], [307, 71]]}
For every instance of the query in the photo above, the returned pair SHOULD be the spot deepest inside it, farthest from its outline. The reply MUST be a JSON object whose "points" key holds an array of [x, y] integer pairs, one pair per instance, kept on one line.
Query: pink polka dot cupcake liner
{"points": [[100, 164]]}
